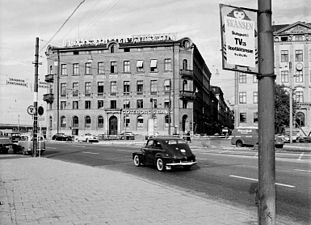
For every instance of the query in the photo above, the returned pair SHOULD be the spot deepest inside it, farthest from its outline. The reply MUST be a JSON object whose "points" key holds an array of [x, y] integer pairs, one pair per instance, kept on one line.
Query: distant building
{"points": [[292, 60], [145, 84], [225, 117]]}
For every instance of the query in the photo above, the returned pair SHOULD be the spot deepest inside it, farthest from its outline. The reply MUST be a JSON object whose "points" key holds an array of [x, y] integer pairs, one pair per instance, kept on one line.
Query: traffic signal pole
{"points": [[35, 100], [266, 83]]}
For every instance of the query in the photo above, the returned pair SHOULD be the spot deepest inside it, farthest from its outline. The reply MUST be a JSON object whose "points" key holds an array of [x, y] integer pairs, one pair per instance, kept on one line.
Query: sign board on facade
{"points": [[17, 81], [239, 39]]}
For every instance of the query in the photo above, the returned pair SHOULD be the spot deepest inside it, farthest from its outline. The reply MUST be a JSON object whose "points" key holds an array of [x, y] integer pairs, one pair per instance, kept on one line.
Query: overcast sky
{"points": [[21, 21]]}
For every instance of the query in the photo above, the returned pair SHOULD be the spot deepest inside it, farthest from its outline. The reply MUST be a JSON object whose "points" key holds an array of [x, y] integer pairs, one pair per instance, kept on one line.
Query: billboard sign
{"points": [[239, 39]]}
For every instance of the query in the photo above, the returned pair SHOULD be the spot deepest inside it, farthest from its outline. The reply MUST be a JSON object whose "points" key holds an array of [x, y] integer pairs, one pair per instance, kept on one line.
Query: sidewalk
{"points": [[41, 191]]}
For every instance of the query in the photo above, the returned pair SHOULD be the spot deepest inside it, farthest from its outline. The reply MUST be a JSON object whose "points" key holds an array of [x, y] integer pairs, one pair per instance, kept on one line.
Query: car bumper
{"points": [[181, 163]]}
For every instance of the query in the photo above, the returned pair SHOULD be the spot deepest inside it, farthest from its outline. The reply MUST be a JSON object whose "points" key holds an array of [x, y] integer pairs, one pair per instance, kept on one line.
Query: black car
{"points": [[61, 137], [165, 153]]}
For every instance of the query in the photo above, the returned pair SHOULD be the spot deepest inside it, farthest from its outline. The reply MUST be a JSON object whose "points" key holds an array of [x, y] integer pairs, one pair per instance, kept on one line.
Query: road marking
{"points": [[301, 155], [308, 171], [94, 153], [253, 179], [51, 148]]}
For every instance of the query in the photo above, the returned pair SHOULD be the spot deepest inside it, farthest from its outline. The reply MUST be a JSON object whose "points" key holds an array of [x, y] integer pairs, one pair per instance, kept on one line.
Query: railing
{"points": [[186, 73], [49, 98]]}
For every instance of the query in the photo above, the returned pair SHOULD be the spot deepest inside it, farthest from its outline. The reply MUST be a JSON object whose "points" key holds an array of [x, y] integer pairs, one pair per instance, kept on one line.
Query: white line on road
{"points": [[94, 153], [51, 148], [301, 155], [308, 171], [253, 179]]}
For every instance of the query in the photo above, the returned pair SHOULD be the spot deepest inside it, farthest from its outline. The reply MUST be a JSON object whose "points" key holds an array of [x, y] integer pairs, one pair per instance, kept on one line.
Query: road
{"points": [[224, 175]]}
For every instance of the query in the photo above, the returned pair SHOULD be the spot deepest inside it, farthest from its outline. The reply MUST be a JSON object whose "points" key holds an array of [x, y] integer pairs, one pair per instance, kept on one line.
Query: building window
{"points": [[126, 87], [140, 103], [284, 76], [255, 97], [184, 104], [167, 64], [127, 121], [100, 104], [75, 121], [255, 117], [153, 87], [284, 55], [242, 117], [87, 88], [185, 64], [113, 87], [126, 67], [75, 89], [299, 76], [153, 65], [299, 96], [140, 121], [100, 88], [113, 67], [242, 78], [113, 104], [63, 122], [100, 68], [167, 120], [75, 105], [299, 55], [87, 122], [100, 122], [242, 97], [140, 66], [167, 86], [112, 48], [63, 69], [126, 104], [63, 89], [167, 104], [87, 104], [76, 69], [140, 87], [154, 103], [88, 68], [63, 105], [51, 69]]}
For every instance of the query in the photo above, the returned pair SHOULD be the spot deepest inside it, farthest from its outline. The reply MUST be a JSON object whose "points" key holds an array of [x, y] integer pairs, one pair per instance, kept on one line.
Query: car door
{"points": [[148, 152]]}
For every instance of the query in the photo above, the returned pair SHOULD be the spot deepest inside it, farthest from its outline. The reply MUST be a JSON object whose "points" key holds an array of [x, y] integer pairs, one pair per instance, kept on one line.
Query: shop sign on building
{"points": [[239, 39]]}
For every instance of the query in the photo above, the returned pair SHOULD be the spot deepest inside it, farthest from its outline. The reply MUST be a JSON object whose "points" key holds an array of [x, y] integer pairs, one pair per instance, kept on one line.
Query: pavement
{"points": [[42, 191]]}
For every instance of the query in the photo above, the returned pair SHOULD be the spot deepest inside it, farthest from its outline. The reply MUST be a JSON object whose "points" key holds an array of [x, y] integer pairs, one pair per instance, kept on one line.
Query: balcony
{"points": [[49, 78], [49, 98], [190, 95], [185, 73]]}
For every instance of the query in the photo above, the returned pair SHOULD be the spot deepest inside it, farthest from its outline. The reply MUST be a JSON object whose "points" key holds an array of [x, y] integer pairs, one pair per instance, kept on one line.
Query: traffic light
{"points": [[40, 110]]}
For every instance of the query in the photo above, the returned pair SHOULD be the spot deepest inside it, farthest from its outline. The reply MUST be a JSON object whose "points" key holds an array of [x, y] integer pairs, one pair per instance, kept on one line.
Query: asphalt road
{"points": [[224, 175]]}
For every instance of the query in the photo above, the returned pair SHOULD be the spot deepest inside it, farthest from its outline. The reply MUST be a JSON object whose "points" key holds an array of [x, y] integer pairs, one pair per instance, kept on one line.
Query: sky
{"points": [[22, 21]]}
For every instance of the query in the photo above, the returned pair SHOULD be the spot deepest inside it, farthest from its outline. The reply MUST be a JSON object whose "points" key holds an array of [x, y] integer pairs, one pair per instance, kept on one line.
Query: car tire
{"points": [[279, 146], [187, 167], [239, 143], [136, 160], [160, 164]]}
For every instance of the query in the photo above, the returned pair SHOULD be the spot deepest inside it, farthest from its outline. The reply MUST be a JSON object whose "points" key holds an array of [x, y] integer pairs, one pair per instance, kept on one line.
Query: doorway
{"points": [[113, 125]]}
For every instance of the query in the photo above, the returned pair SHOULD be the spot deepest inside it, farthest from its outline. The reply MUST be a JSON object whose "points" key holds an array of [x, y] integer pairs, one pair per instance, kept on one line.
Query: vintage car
{"points": [[61, 137], [165, 153], [127, 136], [25, 144], [86, 138]]}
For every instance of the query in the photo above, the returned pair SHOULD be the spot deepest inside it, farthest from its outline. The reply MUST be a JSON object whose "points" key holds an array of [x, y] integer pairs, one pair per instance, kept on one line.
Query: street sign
{"points": [[239, 37], [31, 110]]}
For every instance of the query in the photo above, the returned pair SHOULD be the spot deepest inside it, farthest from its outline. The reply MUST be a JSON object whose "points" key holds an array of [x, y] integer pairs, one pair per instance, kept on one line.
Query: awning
{"points": [[139, 63], [153, 63]]}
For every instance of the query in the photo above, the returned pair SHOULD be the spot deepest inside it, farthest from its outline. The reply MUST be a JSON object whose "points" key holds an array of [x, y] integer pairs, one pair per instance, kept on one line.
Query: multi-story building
{"points": [[144, 84], [292, 63]]}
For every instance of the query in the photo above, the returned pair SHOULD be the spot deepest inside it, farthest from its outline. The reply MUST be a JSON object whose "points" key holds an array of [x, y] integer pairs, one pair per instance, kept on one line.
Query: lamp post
{"points": [[290, 103], [169, 108]]}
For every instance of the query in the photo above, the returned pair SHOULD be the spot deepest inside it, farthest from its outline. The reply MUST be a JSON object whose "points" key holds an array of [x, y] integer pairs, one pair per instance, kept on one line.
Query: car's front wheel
{"points": [[136, 160], [160, 165]]}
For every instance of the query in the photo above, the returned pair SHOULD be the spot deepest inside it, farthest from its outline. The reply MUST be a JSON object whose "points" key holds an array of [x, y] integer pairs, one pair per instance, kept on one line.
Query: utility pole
{"points": [[290, 103], [266, 83], [57, 103], [35, 100]]}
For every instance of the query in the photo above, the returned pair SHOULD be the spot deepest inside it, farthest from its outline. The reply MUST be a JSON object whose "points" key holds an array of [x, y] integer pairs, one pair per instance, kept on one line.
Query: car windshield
{"points": [[175, 142]]}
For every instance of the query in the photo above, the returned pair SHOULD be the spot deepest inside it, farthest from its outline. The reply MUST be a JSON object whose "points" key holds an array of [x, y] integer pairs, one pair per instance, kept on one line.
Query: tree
{"points": [[281, 107]]}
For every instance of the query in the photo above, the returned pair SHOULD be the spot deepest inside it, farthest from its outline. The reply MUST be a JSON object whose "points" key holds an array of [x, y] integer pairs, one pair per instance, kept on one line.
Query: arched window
{"points": [[167, 120], [87, 122], [100, 121], [140, 121], [184, 64], [51, 69], [75, 121], [50, 122], [63, 121], [112, 49]]}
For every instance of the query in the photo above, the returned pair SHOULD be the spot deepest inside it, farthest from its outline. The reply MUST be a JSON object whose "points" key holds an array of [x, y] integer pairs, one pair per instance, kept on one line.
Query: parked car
{"points": [[127, 136], [25, 144], [165, 153], [305, 139], [87, 138], [61, 137], [5, 142], [248, 136]]}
